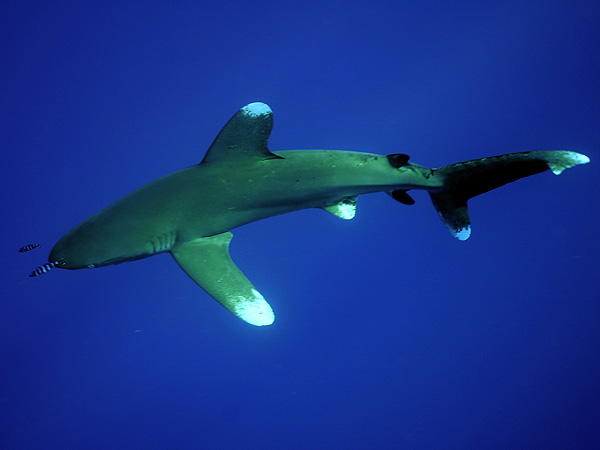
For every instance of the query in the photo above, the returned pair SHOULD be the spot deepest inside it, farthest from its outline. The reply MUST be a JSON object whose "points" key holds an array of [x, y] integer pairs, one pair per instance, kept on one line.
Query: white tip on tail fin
{"points": [[566, 160], [462, 234], [467, 179]]}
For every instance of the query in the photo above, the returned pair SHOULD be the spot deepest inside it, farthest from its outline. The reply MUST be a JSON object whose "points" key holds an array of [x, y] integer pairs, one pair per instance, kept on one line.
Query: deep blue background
{"points": [[389, 333]]}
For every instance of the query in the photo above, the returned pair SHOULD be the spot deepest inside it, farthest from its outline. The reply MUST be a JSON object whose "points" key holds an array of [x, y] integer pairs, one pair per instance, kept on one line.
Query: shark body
{"points": [[190, 213]]}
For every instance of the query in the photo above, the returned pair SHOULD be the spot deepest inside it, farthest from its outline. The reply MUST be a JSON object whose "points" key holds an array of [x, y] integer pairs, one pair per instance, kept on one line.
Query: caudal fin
{"points": [[465, 180]]}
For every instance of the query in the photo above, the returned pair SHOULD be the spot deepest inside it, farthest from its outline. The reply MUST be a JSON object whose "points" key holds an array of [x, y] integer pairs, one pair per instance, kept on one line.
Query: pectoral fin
{"points": [[208, 263]]}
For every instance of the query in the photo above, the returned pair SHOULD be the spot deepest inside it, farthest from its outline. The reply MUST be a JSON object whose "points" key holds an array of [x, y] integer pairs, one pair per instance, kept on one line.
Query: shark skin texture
{"points": [[190, 213]]}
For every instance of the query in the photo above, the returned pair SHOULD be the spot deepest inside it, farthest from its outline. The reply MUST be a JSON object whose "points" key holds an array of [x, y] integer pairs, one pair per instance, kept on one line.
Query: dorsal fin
{"points": [[245, 135], [398, 160]]}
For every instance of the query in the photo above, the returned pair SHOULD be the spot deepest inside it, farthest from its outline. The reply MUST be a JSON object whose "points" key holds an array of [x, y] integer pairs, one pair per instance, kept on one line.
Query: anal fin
{"points": [[208, 263], [401, 196]]}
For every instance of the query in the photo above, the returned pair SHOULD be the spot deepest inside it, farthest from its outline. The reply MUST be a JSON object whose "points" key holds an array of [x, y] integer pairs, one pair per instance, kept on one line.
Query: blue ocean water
{"points": [[389, 333]]}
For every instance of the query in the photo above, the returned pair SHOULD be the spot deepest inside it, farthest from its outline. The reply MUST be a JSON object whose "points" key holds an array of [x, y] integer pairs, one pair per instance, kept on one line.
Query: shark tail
{"points": [[465, 180]]}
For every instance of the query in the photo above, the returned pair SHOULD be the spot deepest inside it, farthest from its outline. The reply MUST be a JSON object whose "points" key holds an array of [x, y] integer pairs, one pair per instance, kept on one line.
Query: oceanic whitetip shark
{"points": [[189, 213]]}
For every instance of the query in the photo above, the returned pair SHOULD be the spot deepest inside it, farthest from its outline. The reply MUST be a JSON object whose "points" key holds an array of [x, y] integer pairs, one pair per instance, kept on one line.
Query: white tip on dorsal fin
{"points": [[244, 136], [256, 109]]}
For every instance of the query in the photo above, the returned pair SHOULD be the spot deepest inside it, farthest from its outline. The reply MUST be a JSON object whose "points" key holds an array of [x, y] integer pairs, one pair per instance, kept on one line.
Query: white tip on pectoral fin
{"points": [[207, 262], [254, 310]]}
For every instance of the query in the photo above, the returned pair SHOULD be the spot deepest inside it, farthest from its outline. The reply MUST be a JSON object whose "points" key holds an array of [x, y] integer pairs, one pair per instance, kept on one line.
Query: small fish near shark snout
{"points": [[189, 213]]}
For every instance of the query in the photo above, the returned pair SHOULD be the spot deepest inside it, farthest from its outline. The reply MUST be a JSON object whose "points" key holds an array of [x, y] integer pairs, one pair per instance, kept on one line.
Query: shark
{"points": [[190, 213]]}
